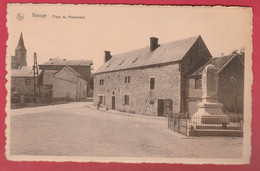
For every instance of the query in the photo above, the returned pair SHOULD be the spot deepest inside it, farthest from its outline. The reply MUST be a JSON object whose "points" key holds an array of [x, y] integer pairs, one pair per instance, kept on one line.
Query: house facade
{"points": [[22, 81], [149, 81], [82, 67], [69, 84], [230, 83]]}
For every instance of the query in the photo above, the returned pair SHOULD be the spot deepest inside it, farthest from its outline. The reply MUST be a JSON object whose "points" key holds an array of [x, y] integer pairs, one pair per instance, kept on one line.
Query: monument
{"points": [[210, 110]]}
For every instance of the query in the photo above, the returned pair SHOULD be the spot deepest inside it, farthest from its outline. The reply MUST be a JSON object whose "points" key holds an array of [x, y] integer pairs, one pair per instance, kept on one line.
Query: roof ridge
{"points": [[167, 52], [71, 69], [197, 36]]}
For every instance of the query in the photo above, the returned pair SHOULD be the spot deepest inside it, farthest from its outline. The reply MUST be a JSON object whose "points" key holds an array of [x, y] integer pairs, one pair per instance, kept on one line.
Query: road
{"points": [[80, 130]]}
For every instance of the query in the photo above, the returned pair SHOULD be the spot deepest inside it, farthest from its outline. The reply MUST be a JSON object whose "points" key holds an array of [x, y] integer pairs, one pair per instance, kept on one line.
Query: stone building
{"points": [[67, 83], [150, 81], [19, 60], [22, 84], [81, 67], [230, 71], [22, 81]]}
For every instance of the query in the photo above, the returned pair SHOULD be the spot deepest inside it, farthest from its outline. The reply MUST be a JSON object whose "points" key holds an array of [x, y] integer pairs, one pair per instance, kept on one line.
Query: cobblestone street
{"points": [[81, 130]]}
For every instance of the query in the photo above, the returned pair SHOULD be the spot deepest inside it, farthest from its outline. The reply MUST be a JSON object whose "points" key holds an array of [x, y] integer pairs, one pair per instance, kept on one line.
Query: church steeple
{"points": [[20, 51], [20, 44]]}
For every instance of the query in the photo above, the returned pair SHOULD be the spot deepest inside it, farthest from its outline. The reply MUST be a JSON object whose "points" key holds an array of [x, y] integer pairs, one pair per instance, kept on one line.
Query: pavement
{"points": [[79, 129], [49, 108]]}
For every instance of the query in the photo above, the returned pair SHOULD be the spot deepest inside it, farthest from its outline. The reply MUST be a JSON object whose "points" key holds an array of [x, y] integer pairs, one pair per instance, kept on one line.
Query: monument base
{"points": [[209, 113]]}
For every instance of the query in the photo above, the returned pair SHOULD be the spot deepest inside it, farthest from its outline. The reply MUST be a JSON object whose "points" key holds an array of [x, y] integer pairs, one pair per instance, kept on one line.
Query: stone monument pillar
{"points": [[209, 110]]}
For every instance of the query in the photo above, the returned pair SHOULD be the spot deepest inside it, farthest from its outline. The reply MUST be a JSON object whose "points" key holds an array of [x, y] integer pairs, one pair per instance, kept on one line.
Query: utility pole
{"points": [[36, 79]]}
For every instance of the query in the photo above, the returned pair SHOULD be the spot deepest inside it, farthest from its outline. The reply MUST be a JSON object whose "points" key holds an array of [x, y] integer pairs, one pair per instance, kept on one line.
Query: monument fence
{"points": [[182, 123]]}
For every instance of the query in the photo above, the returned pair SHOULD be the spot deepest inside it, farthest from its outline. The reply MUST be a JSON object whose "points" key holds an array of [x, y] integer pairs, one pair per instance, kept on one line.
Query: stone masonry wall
{"points": [[167, 86], [19, 85]]}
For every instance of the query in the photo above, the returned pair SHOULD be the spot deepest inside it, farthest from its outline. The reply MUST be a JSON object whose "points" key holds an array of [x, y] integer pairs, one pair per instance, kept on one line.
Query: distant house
{"points": [[22, 84], [22, 81], [82, 67], [231, 83], [67, 83], [19, 60], [150, 81]]}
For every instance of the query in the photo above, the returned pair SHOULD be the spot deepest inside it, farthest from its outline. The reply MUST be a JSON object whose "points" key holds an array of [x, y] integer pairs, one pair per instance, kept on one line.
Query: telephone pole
{"points": [[36, 79]]}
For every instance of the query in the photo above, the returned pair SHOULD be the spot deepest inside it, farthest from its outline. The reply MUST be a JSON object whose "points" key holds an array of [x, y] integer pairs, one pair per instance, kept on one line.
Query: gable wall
{"points": [[64, 89], [66, 74], [197, 56], [84, 71]]}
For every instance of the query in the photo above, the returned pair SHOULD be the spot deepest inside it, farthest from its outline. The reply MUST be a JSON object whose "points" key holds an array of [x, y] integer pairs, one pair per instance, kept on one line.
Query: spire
{"points": [[20, 44]]}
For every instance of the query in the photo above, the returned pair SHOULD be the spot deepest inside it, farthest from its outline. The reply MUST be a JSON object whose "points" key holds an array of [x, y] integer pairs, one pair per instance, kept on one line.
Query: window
{"points": [[101, 82], [126, 99], [108, 64], [28, 82], [152, 83], [135, 59], [121, 62], [197, 83], [127, 79]]}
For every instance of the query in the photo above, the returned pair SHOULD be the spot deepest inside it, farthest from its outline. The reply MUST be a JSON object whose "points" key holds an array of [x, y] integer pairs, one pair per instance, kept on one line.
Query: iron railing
{"points": [[182, 123]]}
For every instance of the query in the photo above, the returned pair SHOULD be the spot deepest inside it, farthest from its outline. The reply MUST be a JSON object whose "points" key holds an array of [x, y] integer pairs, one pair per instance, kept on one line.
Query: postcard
{"points": [[129, 83]]}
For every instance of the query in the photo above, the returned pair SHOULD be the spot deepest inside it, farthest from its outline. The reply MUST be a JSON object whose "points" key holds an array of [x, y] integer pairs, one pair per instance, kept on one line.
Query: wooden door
{"points": [[113, 102], [160, 107]]}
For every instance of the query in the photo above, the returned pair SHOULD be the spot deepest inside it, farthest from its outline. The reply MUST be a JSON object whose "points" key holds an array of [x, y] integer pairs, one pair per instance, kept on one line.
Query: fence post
{"points": [[168, 121], [186, 118], [179, 122]]}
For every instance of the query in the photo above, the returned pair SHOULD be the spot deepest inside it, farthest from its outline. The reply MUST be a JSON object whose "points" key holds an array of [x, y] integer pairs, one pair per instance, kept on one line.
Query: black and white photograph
{"points": [[129, 83]]}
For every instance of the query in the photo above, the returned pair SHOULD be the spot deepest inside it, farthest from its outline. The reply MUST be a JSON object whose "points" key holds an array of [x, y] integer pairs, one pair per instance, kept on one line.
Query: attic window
{"points": [[135, 59], [108, 65], [121, 62]]}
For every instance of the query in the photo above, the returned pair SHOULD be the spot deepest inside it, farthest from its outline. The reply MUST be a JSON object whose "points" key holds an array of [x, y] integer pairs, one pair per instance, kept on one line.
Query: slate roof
{"points": [[23, 72], [72, 70], [169, 52], [218, 62], [58, 61]]}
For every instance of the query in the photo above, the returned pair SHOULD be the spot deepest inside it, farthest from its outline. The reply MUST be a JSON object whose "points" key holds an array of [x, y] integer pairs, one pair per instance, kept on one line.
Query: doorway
{"points": [[113, 102], [164, 107], [160, 107]]}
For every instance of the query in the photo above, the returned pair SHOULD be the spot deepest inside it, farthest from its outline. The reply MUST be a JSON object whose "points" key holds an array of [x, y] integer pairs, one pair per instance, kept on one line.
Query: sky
{"points": [[120, 28]]}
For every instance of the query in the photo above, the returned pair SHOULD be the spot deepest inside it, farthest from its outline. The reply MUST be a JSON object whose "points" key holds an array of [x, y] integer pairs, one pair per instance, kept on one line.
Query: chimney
{"points": [[107, 56], [153, 43]]}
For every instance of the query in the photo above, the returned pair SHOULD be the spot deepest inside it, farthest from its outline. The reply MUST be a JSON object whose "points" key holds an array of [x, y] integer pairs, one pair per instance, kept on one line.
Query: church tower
{"points": [[20, 52]]}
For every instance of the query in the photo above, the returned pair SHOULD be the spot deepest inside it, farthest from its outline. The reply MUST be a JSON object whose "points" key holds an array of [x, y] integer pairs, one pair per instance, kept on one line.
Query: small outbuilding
{"points": [[230, 71], [69, 84]]}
